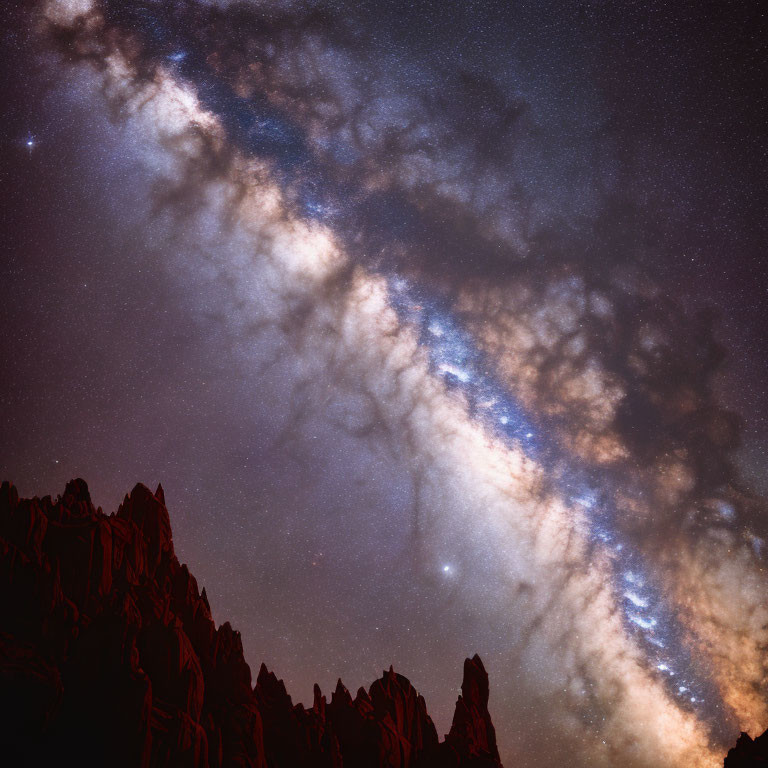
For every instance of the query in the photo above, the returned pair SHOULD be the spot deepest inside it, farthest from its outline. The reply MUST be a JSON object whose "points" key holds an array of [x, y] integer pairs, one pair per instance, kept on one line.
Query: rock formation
{"points": [[748, 753], [109, 656]]}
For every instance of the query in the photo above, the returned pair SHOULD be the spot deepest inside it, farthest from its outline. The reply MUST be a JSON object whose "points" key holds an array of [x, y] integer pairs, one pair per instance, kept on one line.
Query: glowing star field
{"points": [[420, 294]]}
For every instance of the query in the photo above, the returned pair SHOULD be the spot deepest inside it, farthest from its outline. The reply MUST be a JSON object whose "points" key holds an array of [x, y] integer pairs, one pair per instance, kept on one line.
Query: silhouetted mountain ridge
{"points": [[109, 656]]}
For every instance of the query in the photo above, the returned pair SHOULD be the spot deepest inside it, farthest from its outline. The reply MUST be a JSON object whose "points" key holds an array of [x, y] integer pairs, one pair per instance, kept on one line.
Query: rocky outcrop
{"points": [[748, 752], [472, 738], [109, 656]]}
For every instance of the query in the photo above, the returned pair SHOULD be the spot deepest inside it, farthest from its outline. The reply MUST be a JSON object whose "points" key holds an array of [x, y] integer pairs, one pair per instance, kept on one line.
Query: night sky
{"points": [[443, 325]]}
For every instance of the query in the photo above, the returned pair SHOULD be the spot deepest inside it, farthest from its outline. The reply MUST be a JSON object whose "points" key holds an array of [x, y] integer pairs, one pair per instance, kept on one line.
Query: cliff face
{"points": [[109, 655]]}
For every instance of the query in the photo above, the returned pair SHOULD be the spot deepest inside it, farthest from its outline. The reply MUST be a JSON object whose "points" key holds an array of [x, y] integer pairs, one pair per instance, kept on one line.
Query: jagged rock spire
{"points": [[108, 651]]}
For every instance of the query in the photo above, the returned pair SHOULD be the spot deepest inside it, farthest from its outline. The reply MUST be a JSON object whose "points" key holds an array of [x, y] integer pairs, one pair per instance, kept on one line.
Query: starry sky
{"points": [[442, 325]]}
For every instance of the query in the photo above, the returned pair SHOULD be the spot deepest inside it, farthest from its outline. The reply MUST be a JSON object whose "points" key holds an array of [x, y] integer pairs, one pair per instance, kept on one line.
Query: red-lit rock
{"points": [[748, 752], [472, 738], [109, 656]]}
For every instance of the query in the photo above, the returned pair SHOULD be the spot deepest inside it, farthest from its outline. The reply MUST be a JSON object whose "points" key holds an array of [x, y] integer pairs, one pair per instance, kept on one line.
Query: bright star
{"points": [[633, 578], [637, 600], [642, 622], [462, 375]]}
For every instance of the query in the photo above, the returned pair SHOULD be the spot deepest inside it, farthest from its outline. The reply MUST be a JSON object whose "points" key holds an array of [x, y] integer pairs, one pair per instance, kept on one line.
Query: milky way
{"points": [[385, 306]]}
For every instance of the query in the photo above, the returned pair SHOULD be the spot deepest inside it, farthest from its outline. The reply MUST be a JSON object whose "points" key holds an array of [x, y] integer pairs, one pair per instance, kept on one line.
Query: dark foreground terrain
{"points": [[749, 753], [109, 657]]}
